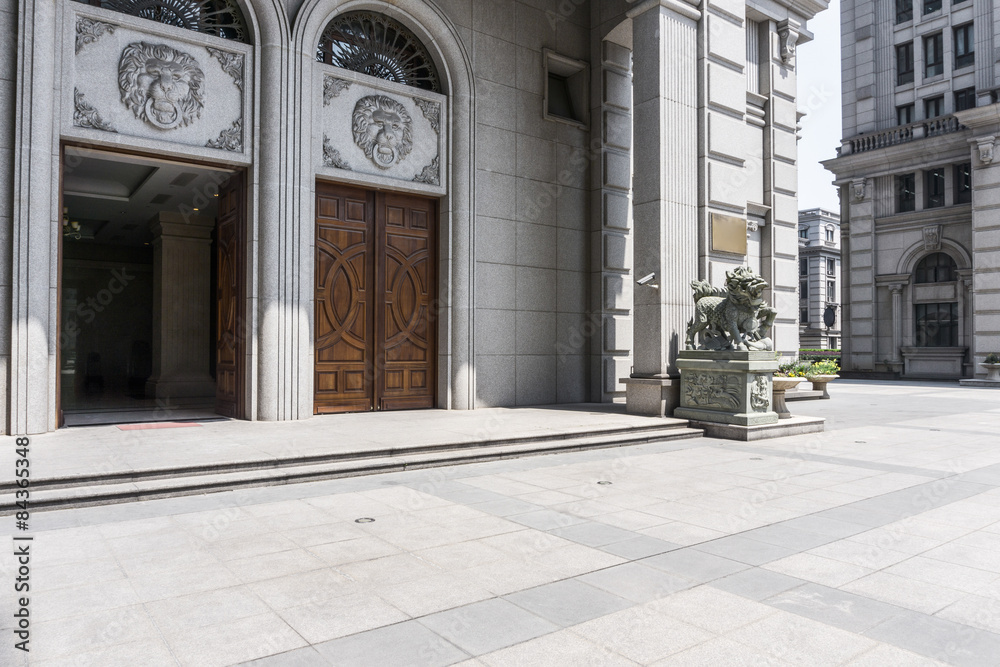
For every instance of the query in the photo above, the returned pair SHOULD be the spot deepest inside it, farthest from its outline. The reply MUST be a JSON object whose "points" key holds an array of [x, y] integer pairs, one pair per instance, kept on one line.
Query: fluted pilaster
{"points": [[665, 189]]}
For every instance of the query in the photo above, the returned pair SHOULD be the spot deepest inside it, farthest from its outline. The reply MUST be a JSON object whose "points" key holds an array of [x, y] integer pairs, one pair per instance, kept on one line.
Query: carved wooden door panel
{"points": [[230, 296], [375, 286], [404, 324], [344, 286]]}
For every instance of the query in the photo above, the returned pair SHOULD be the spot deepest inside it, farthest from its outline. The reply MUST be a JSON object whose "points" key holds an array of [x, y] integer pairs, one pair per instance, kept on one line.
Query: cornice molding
{"points": [[980, 117], [687, 8], [901, 158]]}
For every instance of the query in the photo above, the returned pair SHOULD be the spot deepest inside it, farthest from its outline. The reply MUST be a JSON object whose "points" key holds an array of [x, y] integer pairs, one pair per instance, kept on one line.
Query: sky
{"points": [[818, 65]]}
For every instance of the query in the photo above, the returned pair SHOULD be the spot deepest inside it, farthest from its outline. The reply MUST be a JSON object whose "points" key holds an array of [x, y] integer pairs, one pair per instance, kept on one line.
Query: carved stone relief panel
{"points": [[162, 86], [378, 131], [709, 390]]}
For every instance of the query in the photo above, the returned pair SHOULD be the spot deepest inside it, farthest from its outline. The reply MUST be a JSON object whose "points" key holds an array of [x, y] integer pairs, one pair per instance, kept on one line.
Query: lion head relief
{"points": [[161, 85], [383, 130]]}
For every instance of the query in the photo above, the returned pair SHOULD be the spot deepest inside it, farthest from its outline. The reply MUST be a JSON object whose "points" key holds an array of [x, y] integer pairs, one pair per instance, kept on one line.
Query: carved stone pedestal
{"points": [[727, 387]]}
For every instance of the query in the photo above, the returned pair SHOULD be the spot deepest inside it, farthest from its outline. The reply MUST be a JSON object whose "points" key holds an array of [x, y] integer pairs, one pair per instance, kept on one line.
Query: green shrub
{"points": [[992, 358], [820, 355]]}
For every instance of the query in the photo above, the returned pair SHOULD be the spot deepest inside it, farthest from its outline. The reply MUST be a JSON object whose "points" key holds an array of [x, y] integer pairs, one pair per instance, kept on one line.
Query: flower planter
{"points": [[992, 372], [780, 386], [819, 383]]}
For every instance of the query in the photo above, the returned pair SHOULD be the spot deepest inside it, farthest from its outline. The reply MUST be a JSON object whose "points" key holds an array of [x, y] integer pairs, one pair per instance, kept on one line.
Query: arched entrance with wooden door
{"points": [[377, 210]]}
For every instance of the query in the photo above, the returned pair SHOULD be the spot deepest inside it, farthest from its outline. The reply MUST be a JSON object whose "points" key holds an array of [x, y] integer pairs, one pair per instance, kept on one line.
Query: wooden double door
{"points": [[375, 309]]}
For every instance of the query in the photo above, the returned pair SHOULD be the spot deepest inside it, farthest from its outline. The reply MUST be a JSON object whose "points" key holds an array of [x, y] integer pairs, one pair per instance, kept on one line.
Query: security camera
{"points": [[645, 280]]}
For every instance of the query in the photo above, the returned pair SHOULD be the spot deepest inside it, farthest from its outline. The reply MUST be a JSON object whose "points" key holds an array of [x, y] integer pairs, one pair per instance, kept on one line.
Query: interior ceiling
{"points": [[114, 197]]}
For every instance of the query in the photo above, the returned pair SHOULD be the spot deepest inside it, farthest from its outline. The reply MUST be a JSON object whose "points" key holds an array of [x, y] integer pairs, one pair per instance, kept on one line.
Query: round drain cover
{"points": [[365, 519]]}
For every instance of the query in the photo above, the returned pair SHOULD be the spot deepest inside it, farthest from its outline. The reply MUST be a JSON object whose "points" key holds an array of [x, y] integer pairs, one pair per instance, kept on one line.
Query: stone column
{"points": [[182, 265], [983, 122], [859, 276], [665, 197], [897, 321], [34, 228], [986, 26]]}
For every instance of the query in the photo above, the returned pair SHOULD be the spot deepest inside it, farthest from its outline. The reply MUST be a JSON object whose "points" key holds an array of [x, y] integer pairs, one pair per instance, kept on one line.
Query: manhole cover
{"points": [[604, 483], [861, 442], [365, 519]]}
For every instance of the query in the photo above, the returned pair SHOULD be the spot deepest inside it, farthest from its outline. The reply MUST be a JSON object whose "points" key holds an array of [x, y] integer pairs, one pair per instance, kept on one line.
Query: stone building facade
{"points": [[919, 187], [277, 209], [819, 278]]}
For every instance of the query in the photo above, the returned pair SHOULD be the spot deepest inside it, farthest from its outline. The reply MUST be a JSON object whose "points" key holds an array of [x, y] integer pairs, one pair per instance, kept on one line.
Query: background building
{"points": [[819, 278], [919, 186], [323, 206]]}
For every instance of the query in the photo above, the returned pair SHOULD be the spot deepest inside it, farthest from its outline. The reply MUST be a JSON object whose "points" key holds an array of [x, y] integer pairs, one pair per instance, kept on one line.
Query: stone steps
{"points": [[89, 490]]}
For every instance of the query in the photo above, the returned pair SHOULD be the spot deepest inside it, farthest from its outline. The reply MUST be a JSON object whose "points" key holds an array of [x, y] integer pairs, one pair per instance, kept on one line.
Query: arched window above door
{"points": [[379, 46], [938, 267], [222, 18]]}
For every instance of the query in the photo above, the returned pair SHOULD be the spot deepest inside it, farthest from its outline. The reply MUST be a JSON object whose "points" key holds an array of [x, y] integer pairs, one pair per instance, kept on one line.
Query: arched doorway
{"points": [[380, 129]]}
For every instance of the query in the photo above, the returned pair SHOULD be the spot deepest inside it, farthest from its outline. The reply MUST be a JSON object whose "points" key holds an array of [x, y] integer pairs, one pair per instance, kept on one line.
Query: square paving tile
{"points": [[695, 565], [907, 593], [325, 619], [568, 602], [801, 640], [757, 584], [834, 607], [487, 626], [641, 634], [793, 538], [594, 534], [826, 571], [712, 609], [546, 519], [300, 657], [721, 652], [504, 506], [639, 547], [637, 582], [399, 645], [434, 593], [564, 648], [940, 639], [235, 641], [745, 550]]}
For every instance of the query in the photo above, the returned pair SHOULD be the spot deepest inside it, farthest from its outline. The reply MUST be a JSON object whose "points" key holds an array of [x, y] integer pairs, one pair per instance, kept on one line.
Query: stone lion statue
{"points": [[161, 85], [734, 317], [383, 130]]}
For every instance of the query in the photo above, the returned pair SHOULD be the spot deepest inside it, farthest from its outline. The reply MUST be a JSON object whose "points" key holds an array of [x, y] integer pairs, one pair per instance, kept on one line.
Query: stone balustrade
{"points": [[900, 134]]}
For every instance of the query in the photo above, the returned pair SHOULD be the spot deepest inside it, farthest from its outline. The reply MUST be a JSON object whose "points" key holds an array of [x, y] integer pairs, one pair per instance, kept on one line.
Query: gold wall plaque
{"points": [[729, 234]]}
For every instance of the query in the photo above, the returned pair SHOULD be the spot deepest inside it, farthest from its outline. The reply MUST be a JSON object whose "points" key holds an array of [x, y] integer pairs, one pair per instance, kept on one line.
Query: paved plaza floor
{"points": [[874, 543]]}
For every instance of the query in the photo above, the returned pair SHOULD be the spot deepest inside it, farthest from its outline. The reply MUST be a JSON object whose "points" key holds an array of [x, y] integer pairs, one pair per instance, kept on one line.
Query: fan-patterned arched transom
{"points": [[222, 18], [379, 46]]}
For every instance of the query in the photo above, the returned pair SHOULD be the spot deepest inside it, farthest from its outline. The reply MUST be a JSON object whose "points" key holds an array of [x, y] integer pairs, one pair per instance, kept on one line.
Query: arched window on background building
{"points": [[221, 18], [936, 323], [378, 46]]}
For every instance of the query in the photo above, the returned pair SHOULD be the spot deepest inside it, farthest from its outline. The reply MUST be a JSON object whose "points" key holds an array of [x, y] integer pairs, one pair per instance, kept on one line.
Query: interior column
{"points": [[182, 265], [665, 197]]}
